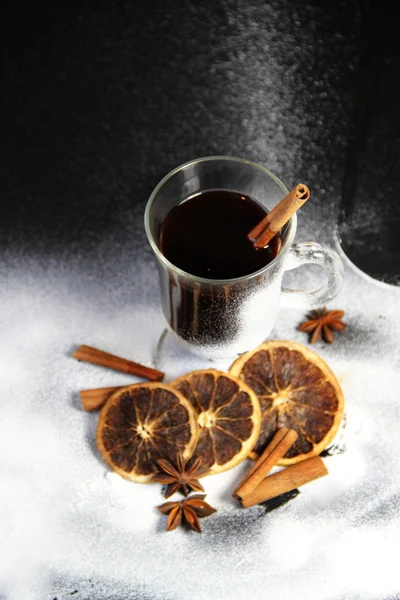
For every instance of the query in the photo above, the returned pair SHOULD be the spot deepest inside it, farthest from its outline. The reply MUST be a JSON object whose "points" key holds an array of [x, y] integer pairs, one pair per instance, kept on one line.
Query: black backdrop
{"points": [[101, 99]]}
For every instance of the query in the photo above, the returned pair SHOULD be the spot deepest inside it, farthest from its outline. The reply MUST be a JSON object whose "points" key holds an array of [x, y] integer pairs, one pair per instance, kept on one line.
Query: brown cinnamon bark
{"points": [[276, 449], [286, 480], [263, 233], [97, 397], [104, 359]]}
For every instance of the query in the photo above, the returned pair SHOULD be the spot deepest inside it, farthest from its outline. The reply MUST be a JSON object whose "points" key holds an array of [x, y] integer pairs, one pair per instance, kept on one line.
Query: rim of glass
{"points": [[292, 223]]}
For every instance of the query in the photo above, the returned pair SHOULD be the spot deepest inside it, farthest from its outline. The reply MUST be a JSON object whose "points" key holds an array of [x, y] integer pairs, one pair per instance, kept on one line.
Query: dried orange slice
{"points": [[296, 389], [142, 423], [228, 415]]}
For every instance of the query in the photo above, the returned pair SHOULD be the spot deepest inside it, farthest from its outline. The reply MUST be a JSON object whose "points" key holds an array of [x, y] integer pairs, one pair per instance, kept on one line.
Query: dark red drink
{"points": [[206, 236]]}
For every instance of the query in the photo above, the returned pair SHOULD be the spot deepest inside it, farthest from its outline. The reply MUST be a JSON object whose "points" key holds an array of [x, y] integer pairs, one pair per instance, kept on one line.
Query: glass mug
{"points": [[221, 318]]}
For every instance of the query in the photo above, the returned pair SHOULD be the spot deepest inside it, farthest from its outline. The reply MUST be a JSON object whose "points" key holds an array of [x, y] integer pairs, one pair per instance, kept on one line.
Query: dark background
{"points": [[101, 99]]}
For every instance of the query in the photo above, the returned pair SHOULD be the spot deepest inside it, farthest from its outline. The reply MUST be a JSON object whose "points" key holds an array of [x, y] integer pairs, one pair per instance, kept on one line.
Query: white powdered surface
{"points": [[72, 529]]}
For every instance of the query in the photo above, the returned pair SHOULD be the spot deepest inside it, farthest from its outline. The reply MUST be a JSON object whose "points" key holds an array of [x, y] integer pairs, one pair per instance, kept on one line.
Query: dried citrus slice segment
{"points": [[296, 389], [228, 415], [143, 423]]}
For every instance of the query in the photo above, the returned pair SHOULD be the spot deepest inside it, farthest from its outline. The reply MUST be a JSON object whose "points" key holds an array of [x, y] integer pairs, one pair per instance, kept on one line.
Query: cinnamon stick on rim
{"points": [[286, 480], [104, 359], [97, 397], [273, 222], [276, 449]]}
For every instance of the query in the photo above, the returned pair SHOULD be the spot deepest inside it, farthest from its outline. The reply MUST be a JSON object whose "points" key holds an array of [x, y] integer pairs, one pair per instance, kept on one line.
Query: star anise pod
{"points": [[188, 511], [182, 477], [323, 323]]}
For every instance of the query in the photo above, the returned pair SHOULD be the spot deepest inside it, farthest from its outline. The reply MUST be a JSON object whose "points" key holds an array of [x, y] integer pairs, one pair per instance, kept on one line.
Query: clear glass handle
{"points": [[312, 253]]}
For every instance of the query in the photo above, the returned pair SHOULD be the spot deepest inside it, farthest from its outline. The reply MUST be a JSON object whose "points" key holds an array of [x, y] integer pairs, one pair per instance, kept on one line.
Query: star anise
{"points": [[323, 323], [182, 477], [188, 511]]}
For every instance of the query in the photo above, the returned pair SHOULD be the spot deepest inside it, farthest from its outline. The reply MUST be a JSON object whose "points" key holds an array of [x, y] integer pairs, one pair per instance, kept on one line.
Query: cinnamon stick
{"points": [[104, 359], [276, 449], [273, 222], [286, 480], [97, 397]]}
